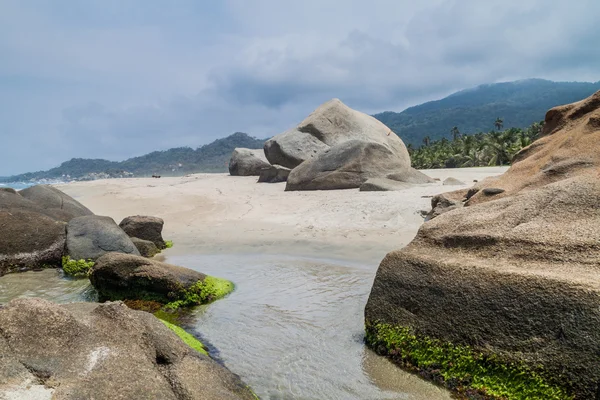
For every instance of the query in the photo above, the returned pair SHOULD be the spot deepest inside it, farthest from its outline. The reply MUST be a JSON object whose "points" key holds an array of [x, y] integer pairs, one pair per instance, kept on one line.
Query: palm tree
{"points": [[455, 133], [499, 123]]}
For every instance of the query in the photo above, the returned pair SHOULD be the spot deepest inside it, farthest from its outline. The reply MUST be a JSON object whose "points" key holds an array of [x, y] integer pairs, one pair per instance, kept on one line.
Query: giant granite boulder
{"points": [[127, 277], [501, 297], [91, 236], [247, 162], [337, 147], [104, 352]]}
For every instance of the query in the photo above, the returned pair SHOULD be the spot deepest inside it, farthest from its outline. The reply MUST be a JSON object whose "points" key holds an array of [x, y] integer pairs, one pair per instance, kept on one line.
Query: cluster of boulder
{"points": [[506, 275], [40, 225], [335, 147], [102, 351]]}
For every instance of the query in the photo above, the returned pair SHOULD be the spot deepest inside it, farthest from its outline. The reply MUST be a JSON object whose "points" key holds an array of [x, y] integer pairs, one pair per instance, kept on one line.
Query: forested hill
{"points": [[212, 157], [518, 104]]}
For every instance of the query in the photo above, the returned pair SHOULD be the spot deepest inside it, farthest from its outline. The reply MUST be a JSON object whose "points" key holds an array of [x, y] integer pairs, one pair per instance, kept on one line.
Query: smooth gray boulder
{"points": [[247, 162], [274, 174], [382, 185], [453, 182], [56, 203], [102, 351], [91, 236], [145, 227], [290, 148], [332, 124]]}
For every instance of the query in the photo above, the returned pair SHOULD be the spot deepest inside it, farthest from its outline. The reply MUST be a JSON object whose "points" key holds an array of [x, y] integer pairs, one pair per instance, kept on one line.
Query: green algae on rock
{"points": [[202, 292], [187, 338], [119, 276], [76, 268], [461, 368]]}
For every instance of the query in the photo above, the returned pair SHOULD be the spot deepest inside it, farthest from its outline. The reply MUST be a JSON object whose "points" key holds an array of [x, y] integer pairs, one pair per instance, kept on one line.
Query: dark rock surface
{"points": [[29, 240], [122, 276], [145, 247], [145, 227]]}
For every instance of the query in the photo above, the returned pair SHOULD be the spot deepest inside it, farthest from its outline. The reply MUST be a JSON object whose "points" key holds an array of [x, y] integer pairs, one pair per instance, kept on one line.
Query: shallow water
{"points": [[292, 329]]}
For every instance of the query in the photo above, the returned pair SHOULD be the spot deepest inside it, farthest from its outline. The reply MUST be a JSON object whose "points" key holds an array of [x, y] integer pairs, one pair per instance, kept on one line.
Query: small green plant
{"points": [[168, 244], [76, 268], [461, 368], [186, 337], [202, 292]]}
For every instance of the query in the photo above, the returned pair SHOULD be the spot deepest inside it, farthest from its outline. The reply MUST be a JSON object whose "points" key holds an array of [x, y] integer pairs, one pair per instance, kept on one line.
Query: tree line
{"points": [[497, 147]]}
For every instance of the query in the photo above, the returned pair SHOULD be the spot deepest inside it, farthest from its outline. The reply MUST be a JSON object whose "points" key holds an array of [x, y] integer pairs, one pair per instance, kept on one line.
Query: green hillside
{"points": [[519, 104], [212, 157]]}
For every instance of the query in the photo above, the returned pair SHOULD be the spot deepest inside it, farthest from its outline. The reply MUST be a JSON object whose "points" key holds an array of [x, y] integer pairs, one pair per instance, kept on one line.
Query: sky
{"points": [[114, 79]]}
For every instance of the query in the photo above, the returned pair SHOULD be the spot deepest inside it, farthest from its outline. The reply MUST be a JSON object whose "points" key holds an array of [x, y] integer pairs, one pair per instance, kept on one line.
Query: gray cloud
{"points": [[115, 79]]}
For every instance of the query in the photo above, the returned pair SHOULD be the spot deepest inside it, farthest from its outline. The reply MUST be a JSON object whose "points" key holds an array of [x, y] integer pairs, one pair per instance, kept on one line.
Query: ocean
{"points": [[23, 185]]}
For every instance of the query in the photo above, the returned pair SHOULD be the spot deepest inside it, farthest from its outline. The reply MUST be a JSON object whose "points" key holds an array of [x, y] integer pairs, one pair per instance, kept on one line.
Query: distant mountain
{"points": [[213, 157], [518, 104]]}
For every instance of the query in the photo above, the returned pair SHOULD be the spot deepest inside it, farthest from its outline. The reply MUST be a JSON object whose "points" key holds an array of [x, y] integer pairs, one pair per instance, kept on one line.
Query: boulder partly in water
{"points": [[102, 351], [126, 277], [506, 290]]}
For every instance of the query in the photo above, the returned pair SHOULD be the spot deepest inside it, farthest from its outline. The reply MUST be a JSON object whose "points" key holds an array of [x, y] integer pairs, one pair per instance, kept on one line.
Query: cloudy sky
{"points": [[117, 78]]}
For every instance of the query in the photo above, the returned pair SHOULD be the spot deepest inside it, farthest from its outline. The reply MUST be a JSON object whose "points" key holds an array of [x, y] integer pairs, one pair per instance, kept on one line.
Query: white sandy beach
{"points": [[218, 213]]}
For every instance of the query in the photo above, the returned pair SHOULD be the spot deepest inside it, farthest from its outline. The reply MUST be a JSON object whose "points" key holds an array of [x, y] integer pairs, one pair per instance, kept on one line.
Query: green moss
{"points": [[202, 292], [461, 368], [186, 337], [168, 244], [76, 268]]}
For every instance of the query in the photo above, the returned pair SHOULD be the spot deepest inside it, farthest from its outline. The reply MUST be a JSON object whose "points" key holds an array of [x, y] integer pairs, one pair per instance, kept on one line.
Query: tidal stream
{"points": [[292, 329]]}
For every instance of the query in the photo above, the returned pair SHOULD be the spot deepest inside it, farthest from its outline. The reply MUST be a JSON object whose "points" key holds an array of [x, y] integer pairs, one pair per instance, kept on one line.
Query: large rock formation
{"points": [[91, 236], [145, 227], [337, 147], [56, 203], [502, 296], [102, 351], [29, 240], [247, 162], [119, 276], [32, 230]]}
